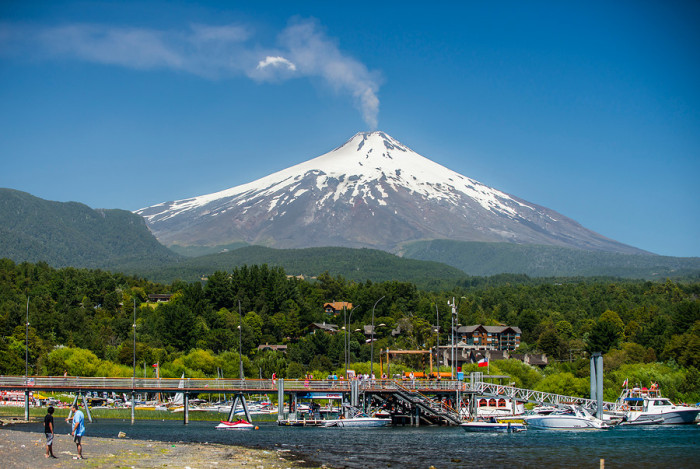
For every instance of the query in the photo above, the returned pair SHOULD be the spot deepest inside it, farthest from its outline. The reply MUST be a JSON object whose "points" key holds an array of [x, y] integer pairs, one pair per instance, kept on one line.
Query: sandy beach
{"points": [[19, 449]]}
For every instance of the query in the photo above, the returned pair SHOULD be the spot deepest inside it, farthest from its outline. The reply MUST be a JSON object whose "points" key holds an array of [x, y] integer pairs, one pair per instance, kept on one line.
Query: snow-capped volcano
{"points": [[372, 191]]}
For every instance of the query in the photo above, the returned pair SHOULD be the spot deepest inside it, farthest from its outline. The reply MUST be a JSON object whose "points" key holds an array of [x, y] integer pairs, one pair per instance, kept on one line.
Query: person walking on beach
{"points": [[48, 430], [78, 429]]}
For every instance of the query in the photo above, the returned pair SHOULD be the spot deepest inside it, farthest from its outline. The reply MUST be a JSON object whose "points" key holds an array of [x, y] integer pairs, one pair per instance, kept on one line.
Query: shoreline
{"points": [[21, 449]]}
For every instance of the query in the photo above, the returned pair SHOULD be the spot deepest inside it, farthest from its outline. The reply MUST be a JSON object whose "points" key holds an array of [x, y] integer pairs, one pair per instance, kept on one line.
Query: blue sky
{"points": [[587, 108]]}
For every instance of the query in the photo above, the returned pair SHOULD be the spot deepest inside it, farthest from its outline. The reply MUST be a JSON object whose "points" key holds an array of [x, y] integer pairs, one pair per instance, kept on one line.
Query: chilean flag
{"points": [[483, 362]]}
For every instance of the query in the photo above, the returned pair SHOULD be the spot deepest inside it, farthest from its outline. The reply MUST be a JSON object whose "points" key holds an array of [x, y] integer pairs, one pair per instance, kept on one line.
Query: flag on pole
{"points": [[483, 362], [624, 385]]}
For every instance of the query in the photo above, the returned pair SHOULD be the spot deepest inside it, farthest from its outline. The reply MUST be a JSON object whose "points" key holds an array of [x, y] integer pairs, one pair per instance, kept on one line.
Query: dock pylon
{"points": [[239, 398]]}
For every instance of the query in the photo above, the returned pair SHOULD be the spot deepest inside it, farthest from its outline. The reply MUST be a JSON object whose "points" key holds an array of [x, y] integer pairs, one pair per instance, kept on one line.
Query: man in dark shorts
{"points": [[48, 430], [78, 429]]}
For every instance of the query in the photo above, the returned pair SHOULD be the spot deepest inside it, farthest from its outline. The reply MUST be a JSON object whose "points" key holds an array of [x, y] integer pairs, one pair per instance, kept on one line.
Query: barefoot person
{"points": [[78, 429], [48, 430]]}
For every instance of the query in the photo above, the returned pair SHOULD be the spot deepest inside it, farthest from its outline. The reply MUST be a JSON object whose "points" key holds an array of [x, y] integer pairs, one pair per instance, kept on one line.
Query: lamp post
{"points": [[240, 342], [134, 328], [26, 366], [133, 378], [26, 346], [453, 353], [371, 353], [347, 339], [437, 341]]}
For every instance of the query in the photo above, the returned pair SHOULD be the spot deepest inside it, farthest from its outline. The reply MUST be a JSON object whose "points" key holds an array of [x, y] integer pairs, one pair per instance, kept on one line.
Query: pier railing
{"points": [[196, 385], [74, 383]]}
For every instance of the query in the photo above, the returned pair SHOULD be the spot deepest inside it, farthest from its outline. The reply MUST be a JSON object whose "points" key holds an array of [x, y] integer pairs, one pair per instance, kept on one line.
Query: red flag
{"points": [[483, 362]]}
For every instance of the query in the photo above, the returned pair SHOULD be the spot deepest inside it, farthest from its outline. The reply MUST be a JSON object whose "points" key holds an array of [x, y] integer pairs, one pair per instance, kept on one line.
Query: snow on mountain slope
{"points": [[372, 191]]}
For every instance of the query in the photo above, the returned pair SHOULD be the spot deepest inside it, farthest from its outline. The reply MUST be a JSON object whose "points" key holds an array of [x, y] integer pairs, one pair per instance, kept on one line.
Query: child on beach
{"points": [[48, 430]]}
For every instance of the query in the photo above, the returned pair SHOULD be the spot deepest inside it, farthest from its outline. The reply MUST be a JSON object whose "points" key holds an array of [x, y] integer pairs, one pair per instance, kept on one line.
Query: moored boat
{"points": [[643, 406], [493, 426], [237, 425], [570, 418], [358, 422], [354, 417]]}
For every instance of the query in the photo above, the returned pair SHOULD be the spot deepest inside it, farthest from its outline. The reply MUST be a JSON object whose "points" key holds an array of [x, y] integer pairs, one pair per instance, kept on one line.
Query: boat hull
{"points": [[240, 425], [492, 427], [359, 422], [680, 416], [562, 422], [672, 417]]}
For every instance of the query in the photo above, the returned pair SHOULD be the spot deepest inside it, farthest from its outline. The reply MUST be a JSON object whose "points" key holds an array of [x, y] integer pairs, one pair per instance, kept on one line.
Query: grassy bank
{"points": [[39, 412]]}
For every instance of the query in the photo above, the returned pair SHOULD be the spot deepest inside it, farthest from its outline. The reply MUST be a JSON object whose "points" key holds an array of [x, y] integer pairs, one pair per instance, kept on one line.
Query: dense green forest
{"points": [[354, 264], [73, 234], [81, 321], [477, 258]]}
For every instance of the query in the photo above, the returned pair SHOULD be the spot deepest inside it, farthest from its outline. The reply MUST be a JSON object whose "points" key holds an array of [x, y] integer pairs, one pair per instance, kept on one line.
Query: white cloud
{"points": [[208, 51], [276, 62]]}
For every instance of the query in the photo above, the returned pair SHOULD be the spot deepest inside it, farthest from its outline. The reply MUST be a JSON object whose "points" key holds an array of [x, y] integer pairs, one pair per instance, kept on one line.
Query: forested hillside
{"points": [[73, 234], [353, 264], [81, 321], [483, 259]]}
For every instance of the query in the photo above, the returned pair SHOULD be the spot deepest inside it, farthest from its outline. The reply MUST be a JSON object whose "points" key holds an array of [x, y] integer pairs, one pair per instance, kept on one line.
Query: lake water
{"points": [[673, 446]]}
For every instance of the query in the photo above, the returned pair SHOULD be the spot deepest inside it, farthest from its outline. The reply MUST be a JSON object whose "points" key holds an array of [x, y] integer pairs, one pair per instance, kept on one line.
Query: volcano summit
{"points": [[373, 192]]}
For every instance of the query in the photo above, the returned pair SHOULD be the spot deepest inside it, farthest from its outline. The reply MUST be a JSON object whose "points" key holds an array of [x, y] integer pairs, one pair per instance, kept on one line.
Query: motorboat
{"points": [[492, 425], [570, 417], [358, 422], [237, 425], [354, 417], [642, 406]]}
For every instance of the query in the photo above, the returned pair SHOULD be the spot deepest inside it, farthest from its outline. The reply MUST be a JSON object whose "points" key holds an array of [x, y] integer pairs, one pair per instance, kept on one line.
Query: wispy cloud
{"points": [[208, 51]]}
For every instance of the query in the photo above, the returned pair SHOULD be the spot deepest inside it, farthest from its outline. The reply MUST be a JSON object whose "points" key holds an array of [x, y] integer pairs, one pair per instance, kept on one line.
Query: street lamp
{"points": [[240, 342], [134, 329], [26, 347], [347, 320], [453, 352], [437, 342], [371, 353]]}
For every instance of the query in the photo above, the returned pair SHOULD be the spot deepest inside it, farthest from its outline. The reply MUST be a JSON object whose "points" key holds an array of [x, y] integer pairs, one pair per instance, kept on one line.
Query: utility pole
{"points": [[26, 347], [453, 305], [134, 328], [133, 378], [240, 342], [371, 353], [437, 333]]}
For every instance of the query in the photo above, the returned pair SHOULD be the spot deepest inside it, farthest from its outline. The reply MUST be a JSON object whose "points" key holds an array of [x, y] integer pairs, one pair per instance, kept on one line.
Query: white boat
{"points": [[354, 417], [493, 426], [643, 406], [358, 422], [498, 407], [238, 425], [570, 418]]}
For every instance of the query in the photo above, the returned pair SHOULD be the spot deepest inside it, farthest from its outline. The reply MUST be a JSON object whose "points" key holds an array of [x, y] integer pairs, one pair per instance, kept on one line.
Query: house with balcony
{"points": [[480, 337], [337, 307]]}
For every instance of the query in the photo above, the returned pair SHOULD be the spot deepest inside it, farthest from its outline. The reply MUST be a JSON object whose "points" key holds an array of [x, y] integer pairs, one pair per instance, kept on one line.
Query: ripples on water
{"points": [[672, 446]]}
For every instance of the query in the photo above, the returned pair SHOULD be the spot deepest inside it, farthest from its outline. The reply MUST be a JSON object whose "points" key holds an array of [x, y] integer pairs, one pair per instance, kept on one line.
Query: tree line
{"points": [[82, 321]]}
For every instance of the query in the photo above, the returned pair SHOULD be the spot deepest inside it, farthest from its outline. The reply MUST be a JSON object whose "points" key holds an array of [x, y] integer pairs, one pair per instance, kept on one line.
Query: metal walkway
{"points": [[428, 406], [415, 391]]}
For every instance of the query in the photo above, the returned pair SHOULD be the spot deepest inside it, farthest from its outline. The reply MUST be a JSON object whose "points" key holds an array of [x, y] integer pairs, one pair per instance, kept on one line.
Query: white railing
{"points": [[480, 388]]}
